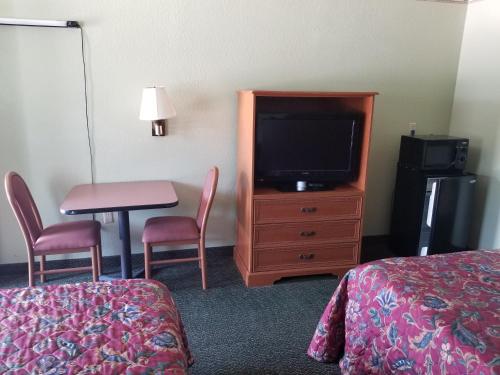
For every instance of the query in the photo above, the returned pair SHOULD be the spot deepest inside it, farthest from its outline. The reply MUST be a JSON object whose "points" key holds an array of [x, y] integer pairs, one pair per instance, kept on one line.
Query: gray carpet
{"points": [[237, 330]]}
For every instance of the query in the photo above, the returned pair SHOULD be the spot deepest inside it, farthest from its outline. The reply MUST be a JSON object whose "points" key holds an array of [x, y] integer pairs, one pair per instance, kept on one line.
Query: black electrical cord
{"points": [[91, 152]]}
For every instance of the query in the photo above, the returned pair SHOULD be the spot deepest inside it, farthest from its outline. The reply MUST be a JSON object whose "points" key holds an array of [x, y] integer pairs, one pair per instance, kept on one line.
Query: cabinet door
{"points": [[452, 214]]}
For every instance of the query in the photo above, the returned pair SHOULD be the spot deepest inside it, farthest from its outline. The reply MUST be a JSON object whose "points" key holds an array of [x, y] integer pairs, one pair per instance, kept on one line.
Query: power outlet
{"points": [[413, 128], [107, 218]]}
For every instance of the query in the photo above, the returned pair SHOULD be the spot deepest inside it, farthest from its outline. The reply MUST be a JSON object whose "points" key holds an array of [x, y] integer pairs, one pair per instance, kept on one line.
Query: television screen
{"points": [[307, 146]]}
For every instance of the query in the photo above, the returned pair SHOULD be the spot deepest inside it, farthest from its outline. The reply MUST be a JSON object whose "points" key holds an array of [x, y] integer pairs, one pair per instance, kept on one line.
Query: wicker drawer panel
{"points": [[307, 232], [305, 256], [300, 210]]}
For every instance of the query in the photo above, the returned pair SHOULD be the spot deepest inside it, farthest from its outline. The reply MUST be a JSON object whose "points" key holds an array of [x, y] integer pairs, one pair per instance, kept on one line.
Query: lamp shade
{"points": [[156, 104]]}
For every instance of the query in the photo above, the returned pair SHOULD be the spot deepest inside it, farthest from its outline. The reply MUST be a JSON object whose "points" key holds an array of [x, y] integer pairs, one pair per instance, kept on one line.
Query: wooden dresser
{"points": [[282, 234]]}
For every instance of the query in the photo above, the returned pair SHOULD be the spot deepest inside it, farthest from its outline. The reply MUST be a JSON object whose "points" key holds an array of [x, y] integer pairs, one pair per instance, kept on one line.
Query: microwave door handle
{"points": [[430, 210]]}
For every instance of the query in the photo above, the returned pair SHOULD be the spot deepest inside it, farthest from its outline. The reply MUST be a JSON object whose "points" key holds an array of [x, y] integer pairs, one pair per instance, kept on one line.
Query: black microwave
{"points": [[433, 152]]}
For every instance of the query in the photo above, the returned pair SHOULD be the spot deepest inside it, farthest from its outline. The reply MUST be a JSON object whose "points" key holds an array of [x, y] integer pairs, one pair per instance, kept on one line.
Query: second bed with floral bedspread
{"points": [[422, 315]]}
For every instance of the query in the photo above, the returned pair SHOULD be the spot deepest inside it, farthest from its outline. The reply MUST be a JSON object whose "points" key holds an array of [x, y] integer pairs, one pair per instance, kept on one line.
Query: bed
{"points": [[438, 314], [117, 327]]}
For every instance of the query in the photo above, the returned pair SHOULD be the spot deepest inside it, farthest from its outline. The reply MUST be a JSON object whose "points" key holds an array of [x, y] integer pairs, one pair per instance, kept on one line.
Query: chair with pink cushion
{"points": [[64, 238], [181, 230]]}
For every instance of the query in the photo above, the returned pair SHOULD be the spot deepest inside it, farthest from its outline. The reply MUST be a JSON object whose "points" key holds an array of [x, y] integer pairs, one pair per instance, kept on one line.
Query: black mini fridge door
{"points": [[447, 214]]}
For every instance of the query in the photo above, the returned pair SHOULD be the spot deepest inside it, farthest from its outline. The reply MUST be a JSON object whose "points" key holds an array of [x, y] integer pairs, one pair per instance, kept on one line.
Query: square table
{"points": [[120, 197]]}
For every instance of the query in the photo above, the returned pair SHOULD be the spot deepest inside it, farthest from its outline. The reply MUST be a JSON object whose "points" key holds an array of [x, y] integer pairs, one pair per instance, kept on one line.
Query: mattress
{"points": [[117, 327], [438, 314]]}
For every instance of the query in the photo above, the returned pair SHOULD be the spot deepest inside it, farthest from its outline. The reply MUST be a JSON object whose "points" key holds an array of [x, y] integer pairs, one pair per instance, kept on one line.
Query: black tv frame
{"points": [[313, 180]]}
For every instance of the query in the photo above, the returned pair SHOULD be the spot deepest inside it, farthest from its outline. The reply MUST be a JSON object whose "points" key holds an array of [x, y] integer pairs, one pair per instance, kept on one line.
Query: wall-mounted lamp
{"points": [[156, 107]]}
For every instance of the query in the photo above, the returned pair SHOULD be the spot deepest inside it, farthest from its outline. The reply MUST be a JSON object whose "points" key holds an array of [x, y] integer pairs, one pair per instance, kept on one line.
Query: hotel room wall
{"points": [[204, 51], [476, 114], [12, 144]]}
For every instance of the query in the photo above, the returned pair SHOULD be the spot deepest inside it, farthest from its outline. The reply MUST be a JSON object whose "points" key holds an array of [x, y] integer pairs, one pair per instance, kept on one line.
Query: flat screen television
{"points": [[322, 148]]}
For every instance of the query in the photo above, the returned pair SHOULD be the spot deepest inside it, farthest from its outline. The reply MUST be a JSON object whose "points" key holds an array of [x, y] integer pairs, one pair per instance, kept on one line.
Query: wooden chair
{"points": [[181, 230], [64, 238]]}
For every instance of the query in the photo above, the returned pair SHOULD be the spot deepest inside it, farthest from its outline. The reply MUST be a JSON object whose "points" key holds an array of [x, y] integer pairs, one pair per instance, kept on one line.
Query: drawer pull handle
{"points": [[308, 209], [306, 256], [309, 233]]}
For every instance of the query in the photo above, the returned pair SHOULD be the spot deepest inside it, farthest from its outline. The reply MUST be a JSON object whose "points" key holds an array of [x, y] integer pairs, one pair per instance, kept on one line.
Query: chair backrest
{"points": [[24, 208], [207, 197]]}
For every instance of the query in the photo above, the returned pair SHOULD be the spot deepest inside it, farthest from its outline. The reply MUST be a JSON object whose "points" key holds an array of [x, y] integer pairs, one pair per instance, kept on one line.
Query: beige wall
{"points": [[12, 143], [204, 51], [476, 114]]}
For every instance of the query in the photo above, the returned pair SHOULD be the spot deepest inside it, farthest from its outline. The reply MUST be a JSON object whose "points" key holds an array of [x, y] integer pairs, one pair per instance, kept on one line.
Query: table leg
{"points": [[120, 234], [126, 255]]}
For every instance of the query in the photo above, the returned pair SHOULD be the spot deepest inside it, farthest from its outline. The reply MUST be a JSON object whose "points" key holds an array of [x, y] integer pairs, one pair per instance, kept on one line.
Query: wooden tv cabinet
{"points": [[282, 234]]}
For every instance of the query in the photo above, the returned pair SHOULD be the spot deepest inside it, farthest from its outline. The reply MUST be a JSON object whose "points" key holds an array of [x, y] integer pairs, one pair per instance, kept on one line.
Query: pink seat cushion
{"points": [[170, 228], [64, 237]]}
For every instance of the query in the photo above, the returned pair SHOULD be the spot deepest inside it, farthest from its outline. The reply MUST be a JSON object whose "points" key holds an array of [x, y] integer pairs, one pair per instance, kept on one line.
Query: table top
{"points": [[119, 196]]}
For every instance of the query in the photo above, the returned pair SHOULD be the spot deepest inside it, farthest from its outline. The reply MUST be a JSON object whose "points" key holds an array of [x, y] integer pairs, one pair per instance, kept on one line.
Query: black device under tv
{"points": [[316, 150]]}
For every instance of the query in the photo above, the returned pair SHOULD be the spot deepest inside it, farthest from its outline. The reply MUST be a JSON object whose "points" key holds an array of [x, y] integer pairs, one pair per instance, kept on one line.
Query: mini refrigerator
{"points": [[431, 212]]}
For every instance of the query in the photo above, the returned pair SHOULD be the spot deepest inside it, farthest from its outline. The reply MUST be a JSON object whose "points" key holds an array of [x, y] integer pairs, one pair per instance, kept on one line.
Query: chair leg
{"points": [[95, 272], [99, 260], [31, 270], [147, 260], [42, 268], [201, 249]]}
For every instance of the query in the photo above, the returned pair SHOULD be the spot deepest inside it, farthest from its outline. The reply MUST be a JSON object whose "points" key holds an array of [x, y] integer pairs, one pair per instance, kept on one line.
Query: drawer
{"points": [[307, 232], [305, 256], [309, 209]]}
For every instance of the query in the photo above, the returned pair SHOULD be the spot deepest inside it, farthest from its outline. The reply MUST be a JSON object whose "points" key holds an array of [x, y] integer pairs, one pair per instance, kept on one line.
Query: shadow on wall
{"points": [[479, 211], [485, 230]]}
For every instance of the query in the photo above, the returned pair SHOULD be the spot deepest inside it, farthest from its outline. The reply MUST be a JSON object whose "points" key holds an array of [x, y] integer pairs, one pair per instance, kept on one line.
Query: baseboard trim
{"points": [[114, 260], [108, 261]]}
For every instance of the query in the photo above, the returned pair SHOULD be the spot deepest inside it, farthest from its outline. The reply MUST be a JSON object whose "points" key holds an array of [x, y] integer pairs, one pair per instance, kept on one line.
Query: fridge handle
{"points": [[430, 210]]}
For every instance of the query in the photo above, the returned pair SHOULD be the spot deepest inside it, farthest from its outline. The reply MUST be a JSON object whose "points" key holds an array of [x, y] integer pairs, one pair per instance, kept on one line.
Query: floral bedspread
{"points": [[118, 327], [438, 314]]}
